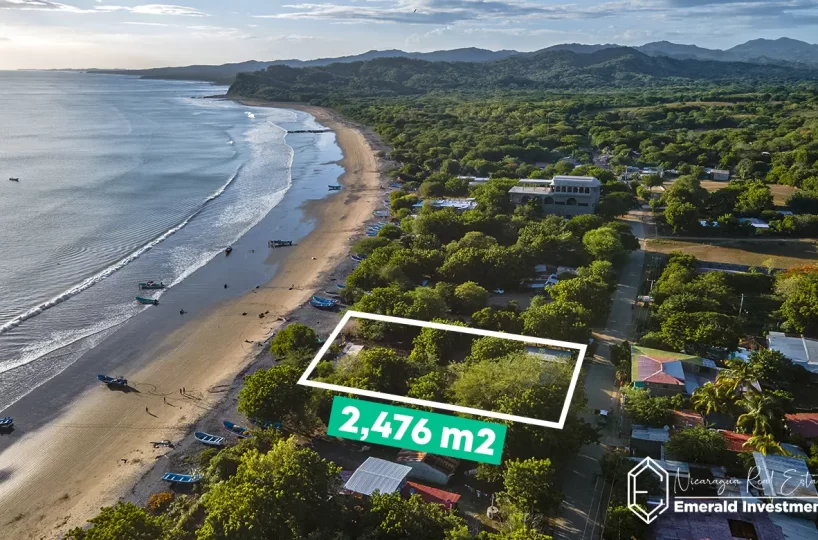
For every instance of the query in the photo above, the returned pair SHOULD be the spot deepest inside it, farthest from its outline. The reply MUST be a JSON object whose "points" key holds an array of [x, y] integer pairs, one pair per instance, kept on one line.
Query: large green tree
{"points": [[567, 321], [287, 493], [530, 486], [800, 306], [123, 521], [696, 445], [391, 517], [296, 339], [604, 243], [273, 395]]}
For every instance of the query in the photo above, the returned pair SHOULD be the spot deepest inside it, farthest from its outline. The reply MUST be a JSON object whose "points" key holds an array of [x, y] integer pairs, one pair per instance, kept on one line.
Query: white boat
{"points": [[210, 440]]}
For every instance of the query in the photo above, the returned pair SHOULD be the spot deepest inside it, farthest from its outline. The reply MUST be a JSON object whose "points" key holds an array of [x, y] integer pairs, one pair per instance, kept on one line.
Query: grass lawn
{"points": [[778, 191], [785, 254]]}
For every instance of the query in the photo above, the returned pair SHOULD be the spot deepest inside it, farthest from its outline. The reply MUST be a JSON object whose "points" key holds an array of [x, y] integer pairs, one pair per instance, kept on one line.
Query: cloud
{"points": [[442, 11], [519, 12], [156, 9], [140, 23], [147, 9], [291, 37]]}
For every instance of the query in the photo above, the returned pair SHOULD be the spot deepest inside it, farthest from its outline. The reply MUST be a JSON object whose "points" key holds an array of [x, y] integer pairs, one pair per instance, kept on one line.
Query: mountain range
{"points": [[791, 52], [614, 67]]}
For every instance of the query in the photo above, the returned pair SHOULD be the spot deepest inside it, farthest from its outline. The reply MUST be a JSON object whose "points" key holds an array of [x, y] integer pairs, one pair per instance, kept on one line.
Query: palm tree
{"points": [[765, 444], [707, 399], [737, 378], [758, 417]]}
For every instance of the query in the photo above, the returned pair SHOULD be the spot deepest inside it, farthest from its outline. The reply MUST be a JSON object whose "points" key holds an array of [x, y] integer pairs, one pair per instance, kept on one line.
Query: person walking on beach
{"points": [[147, 411]]}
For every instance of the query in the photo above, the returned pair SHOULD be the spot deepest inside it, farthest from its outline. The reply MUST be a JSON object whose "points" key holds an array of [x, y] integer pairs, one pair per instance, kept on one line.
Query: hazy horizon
{"points": [[108, 34]]}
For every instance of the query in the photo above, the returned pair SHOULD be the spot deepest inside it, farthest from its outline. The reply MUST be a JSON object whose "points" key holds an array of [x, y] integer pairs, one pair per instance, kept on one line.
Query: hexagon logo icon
{"points": [[639, 479]]}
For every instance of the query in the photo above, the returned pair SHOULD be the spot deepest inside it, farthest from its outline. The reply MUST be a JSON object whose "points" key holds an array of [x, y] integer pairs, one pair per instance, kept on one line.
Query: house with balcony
{"points": [[565, 196]]}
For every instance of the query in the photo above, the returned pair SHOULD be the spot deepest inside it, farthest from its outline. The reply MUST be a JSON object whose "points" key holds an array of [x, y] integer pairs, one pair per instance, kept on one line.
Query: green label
{"points": [[416, 430]]}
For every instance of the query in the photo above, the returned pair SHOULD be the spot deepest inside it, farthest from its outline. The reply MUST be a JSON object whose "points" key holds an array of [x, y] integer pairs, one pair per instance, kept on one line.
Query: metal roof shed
{"points": [[784, 476], [377, 475]]}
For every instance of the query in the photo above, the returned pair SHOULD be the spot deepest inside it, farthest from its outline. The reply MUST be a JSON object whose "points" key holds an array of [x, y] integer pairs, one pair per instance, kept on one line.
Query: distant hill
{"points": [[226, 73], [757, 51], [675, 50], [614, 67], [579, 48], [790, 50]]}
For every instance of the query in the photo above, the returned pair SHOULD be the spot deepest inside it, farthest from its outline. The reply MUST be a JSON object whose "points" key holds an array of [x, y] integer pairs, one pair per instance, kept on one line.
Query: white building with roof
{"points": [[562, 195], [377, 475]]}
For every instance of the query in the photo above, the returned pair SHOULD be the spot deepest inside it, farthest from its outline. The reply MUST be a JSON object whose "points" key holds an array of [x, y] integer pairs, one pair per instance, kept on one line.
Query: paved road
{"points": [[586, 495]]}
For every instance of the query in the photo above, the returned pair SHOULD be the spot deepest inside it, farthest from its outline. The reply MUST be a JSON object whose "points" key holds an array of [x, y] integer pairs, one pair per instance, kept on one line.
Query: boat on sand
{"points": [[206, 438], [7, 422], [181, 478], [113, 381], [241, 431]]}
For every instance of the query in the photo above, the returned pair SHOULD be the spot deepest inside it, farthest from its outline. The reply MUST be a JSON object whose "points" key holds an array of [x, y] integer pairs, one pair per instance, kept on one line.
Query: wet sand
{"points": [[89, 453]]}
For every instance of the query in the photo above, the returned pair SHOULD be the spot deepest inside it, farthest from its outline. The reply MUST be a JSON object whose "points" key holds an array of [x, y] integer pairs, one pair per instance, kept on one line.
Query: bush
{"points": [[294, 339], [159, 502]]}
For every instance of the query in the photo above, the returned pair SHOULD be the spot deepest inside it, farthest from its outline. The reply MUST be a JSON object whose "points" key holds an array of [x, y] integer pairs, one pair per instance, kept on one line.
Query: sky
{"points": [[41, 34]]}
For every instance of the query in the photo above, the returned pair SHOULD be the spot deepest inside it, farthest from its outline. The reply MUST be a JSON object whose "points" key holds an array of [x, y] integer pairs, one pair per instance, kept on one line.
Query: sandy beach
{"points": [[92, 452]]}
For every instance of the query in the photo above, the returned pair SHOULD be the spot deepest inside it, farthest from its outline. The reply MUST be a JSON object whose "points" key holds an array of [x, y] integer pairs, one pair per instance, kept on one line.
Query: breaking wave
{"points": [[106, 272]]}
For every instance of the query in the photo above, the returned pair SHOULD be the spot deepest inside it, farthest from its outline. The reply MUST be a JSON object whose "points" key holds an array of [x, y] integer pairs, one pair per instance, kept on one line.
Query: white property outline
{"points": [[304, 380]]}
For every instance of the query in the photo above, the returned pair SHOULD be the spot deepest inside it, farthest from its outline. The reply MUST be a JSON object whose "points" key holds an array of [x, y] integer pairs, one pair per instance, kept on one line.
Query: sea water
{"points": [[123, 180]]}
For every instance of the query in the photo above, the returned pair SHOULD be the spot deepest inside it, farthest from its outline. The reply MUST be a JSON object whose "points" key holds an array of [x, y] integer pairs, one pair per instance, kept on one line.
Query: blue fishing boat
{"points": [[358, 258], [174, 478], [7, 422], [342, 287], [113, 381], [228, 251], [149, 301], [206, 438], [334, 188], [322, 305], [325, 300], [241, 431], [148, 285]]}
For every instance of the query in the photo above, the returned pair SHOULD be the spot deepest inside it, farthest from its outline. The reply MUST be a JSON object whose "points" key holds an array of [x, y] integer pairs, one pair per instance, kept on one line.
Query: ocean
{"points": [[125, 180]]}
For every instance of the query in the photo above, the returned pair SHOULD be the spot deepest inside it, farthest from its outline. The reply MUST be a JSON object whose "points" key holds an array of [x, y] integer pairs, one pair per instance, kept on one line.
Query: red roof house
{"points": [[431, 495], [803, 424], [687, 419], [735, 441]]}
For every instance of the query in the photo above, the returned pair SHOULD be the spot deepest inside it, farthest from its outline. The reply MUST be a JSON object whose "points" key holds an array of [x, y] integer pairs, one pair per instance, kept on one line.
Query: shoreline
{"points": [[55, 482]]}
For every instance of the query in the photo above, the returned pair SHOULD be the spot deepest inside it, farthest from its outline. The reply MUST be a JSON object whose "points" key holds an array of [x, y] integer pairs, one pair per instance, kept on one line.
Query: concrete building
{"points": [[562, 195]]}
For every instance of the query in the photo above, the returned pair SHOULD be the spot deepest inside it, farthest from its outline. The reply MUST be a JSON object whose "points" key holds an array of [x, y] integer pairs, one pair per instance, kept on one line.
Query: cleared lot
{"points": [[781, 254]]}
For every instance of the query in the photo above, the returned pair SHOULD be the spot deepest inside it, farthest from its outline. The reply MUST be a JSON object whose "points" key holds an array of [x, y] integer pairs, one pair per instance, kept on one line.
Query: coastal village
{"points": [[691, 281]]}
